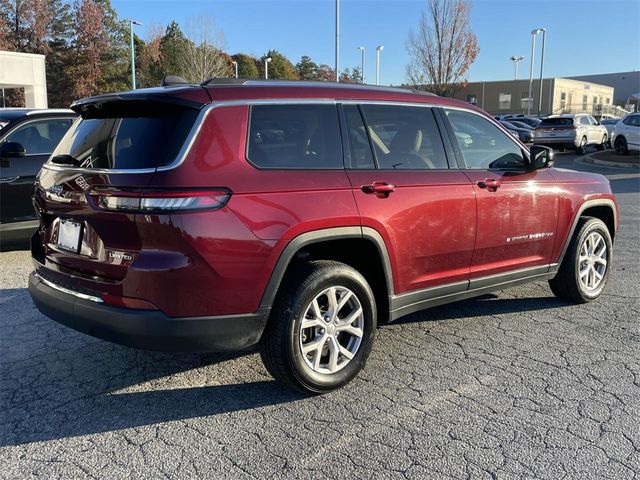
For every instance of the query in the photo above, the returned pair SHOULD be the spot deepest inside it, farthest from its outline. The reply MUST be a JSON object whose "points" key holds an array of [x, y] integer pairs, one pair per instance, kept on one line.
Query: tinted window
{"points": [[124, 142], [556, 122], [359, 147], [40, 137], [404, 137], [295, 136], [483, 144]]}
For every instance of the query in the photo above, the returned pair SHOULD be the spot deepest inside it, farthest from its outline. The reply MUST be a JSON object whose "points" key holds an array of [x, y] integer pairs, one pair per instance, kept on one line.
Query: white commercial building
{"points": [[27, 71]]}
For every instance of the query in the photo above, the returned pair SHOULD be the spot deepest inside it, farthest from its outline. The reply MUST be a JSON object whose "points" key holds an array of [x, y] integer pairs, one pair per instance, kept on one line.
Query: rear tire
{"points": [[620, 146], [585, 268], [582, 148], [328, 350]]}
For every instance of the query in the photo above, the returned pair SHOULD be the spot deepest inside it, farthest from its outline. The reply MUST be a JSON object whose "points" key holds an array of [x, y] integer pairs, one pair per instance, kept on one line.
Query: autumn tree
{"points": [[247, 66], [443, 48], [326, 73], [90, 44], [280, 66]]}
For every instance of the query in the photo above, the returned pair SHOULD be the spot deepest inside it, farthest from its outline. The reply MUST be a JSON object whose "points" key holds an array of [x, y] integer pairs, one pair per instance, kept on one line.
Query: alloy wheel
{"points": [[331, 330], [592, 261]]}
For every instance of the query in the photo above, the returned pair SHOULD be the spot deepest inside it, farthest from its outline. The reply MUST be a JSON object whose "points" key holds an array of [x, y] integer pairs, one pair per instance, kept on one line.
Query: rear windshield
{"points": [[128, 142], [555, 122]]}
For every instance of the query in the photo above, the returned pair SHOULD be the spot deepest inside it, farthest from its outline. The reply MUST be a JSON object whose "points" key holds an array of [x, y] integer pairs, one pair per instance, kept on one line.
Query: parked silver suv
{"points": [[571, 132]]}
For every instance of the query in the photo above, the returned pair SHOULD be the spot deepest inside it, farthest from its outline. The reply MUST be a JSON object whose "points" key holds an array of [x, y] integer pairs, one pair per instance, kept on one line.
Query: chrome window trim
{"points": [[204, 112], [83, 296]]}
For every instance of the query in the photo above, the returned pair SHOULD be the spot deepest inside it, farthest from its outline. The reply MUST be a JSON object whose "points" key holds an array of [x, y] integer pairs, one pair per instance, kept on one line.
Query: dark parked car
{"points": [[27, 138], [524, 134], [297, 216]]}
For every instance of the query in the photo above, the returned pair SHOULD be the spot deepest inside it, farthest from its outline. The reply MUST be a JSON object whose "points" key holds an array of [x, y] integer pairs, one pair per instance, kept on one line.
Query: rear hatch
{"points": [[88, 193], [557, 127]]}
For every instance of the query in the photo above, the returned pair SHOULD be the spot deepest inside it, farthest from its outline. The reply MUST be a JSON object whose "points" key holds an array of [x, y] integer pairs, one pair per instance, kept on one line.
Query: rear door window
{"points": [[294, 137], [404, 137], [129, 140]]}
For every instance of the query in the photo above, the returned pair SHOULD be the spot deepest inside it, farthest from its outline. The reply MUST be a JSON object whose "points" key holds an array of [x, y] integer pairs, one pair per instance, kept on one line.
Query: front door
{"points": [[39, 138], [404, 189], [517, 207]]}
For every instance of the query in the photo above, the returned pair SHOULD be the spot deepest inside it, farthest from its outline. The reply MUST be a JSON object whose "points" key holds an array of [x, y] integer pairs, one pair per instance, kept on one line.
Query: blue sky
{"points": [[583, 36]]}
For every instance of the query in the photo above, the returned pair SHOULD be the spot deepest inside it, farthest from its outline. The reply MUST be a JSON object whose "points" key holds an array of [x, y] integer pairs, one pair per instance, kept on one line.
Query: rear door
{"points": [[114, 149], [39, 138], [404, 189], [517, 207]]}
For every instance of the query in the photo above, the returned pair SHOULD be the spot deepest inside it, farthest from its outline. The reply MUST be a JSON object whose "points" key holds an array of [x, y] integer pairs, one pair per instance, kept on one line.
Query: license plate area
{"points": [[69, 235]]}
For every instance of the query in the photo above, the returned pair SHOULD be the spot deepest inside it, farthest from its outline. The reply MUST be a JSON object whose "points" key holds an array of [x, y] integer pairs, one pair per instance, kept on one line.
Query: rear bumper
{"points": [[555, 142], [147, 329]]}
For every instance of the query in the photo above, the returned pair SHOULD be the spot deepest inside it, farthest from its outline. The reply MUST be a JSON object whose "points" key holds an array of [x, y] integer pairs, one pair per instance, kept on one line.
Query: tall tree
{"points": [[247, 67], [280, 66], [173, 46], [443, 48], [91, 43], [203, 57], [307, 69]]}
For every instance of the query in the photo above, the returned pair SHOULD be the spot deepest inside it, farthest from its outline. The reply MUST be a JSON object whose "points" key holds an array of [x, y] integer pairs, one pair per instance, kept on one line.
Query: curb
{"points": [[606, 163]]}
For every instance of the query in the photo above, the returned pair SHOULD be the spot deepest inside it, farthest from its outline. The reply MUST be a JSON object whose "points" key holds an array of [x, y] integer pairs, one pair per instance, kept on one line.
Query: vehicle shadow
{"points": [[490, 304], [56, 383]]}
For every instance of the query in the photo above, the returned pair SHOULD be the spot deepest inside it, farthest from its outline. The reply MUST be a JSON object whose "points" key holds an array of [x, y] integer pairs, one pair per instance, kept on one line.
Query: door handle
{"points": [[491, 184], [381, 189]]}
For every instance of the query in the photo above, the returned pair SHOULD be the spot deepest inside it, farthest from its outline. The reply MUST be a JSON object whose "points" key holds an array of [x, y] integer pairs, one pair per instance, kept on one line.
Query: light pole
{"points": [[516, 59], [534, 33], [235, 67], [133, 54], [378, 50], [337, 40], [544, 37], [362, 63], [266, 67]]}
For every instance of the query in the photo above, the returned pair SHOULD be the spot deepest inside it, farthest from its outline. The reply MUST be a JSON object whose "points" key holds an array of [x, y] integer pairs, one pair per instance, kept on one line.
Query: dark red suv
{"points": [[297, 216]]}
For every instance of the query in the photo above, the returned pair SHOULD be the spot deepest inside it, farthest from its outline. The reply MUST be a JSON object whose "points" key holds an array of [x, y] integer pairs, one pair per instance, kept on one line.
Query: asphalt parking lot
{"points": [[512, 385]]}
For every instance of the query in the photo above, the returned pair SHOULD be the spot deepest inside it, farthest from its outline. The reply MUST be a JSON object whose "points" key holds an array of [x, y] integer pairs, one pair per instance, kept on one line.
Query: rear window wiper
{"points": [[65, 160]]}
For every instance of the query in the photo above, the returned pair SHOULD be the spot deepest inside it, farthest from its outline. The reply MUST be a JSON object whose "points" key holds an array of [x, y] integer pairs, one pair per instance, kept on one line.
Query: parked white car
{"points": [[571, 132], [609, 123], [626, 134]]}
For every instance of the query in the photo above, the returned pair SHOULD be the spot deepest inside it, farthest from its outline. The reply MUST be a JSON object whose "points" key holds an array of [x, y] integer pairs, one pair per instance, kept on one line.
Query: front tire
{"points": [[602, 145], [585, 268], [620, 146], [321, 329]]}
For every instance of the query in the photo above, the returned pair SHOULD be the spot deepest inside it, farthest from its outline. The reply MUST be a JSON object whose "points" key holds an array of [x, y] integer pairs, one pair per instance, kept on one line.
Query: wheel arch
{"points": [[603, 209], [361, 247]]}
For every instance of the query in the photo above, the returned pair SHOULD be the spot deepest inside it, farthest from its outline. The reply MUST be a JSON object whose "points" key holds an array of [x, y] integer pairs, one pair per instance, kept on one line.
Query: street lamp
{"points": [[337, 40], [544, 37], [378, 50], [362, 63], [534, 33], [516, 60], [235, 67], [133, 54], [266, 67]]}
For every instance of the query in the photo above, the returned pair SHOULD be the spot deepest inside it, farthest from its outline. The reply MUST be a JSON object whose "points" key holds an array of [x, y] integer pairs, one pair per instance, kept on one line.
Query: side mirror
{"points": [[541, 157], [10, 150]]}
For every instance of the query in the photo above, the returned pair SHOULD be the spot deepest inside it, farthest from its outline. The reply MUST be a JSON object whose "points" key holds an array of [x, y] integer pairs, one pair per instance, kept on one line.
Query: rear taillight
{"points": [[159, 201]]}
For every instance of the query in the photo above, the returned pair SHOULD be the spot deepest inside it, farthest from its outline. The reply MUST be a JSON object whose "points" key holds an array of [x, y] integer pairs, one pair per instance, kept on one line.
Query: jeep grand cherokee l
{"points": [[297, 217]]}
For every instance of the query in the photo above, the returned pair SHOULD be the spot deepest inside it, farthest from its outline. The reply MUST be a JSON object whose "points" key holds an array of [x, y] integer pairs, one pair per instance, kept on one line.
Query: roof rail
{"points": [[309, 84], [169, 80]]}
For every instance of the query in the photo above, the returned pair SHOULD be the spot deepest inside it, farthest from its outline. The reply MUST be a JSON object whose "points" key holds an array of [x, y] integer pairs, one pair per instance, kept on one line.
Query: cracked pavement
{"points": [[511, 385]]}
